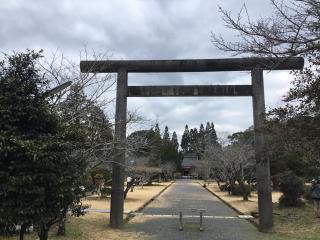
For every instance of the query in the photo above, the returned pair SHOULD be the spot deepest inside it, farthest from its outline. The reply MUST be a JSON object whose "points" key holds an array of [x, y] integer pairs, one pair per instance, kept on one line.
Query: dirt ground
{"points": [[95, 226], [133, 201], [290, 223], [245, 207]]}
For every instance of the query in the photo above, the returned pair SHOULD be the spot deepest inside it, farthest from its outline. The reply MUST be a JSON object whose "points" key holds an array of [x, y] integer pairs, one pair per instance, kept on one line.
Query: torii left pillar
{"points": [[117, 193]]}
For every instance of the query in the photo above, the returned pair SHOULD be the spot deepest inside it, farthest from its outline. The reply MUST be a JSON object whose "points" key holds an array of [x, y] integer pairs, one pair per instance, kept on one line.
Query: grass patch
{"points": [[95, 226], [296, 223], [290, 223]]}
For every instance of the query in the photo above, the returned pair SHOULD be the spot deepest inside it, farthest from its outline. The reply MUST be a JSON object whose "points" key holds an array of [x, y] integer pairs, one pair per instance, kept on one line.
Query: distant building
{"points": [[189, 164]]}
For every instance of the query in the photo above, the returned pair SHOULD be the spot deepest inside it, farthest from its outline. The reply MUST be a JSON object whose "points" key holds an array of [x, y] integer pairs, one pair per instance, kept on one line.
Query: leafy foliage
{"points": [[196, 141], [238, 190], [40, 174], [148, 151], [23, 109], [292, 188], [185, 141]]}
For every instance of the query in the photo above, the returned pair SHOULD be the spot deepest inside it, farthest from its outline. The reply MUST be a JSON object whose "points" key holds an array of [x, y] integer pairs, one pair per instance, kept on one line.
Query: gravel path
{"points": [[159, 219]]}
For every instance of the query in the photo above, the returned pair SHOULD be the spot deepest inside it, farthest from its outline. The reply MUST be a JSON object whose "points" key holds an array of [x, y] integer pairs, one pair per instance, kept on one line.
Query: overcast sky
{"points": [[145, 29]]}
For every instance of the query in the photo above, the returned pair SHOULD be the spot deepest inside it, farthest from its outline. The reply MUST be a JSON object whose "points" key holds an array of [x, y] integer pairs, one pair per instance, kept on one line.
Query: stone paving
{"points": [[159, 220]]}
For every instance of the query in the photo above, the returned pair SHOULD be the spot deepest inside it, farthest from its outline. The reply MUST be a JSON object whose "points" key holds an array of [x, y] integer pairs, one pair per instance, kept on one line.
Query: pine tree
{"points": [[157, 130], [156, 147], [166, 136], [185, 141], [201, 138], [174, 141], [207, 128], [169, 150], [207, 134], [213, 134], [210, 134], [194, 140]]}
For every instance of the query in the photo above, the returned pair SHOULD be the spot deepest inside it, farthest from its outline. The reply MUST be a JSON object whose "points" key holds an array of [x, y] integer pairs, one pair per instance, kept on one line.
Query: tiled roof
{"points": [[190, 160]]}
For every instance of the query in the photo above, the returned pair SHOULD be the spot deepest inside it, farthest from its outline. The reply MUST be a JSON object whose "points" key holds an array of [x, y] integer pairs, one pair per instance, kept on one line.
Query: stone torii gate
{"points": [[255, 90]]}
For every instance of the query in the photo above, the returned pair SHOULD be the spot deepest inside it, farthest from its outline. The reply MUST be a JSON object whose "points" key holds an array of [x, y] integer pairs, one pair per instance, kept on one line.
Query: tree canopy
{"points": [[39, 173]]}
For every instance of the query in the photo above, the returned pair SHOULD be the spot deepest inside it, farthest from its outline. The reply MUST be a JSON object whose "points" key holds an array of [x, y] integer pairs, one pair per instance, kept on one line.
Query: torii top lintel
{"points": [[192, 65]]}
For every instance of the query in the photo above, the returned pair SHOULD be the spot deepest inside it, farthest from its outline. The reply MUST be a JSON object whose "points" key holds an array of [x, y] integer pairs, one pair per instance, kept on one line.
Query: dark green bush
{"points": [[7, 228], [236, 190], [105, 192], [292, 188], [223, 187]]}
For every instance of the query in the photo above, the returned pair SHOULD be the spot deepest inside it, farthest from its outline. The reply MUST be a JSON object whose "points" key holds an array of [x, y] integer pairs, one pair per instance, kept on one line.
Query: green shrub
{"points": [[223, 187], [7, 228], [236, 190], [292, 188], [105, 192]]}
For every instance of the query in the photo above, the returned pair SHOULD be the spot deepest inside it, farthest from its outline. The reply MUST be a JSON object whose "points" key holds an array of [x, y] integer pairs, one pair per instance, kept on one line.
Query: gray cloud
{"points": [[145, 29]]}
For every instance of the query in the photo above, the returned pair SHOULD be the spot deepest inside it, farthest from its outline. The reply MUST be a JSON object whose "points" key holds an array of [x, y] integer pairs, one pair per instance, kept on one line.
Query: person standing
{"points": [[315, 195]]}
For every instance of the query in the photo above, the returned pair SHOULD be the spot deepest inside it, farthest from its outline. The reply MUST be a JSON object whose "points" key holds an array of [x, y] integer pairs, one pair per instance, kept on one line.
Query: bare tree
{"points": [[168, 170], [239, 157], [229, 161], [212, 159], [293, 29], [59, 69], [94, 94]]}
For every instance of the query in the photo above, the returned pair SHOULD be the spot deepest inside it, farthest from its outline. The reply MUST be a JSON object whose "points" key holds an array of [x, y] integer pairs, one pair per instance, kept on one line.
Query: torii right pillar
{"points": [[262, 160]]}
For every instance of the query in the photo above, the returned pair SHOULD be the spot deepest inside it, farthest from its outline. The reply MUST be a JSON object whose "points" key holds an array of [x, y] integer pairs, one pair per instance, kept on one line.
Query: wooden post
{"points": [[262, 161], [117, 193]]}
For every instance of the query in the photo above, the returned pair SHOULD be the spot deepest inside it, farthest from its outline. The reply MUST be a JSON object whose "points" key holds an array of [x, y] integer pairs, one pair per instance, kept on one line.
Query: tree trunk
{"points": [[149, 183], [242, 184], [62, 226], [244, 191], [129, 186], [218, 182], [22, 231], [43, 232]]}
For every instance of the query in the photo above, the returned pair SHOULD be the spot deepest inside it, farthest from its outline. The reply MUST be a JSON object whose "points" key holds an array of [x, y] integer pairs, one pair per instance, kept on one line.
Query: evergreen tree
{"points": [[201, 138], [169, 151], [39, 173], [166, 136], [207, 134], [210, 134], [213, 134], [207, 128], [157, 130], [185, 141], [156, 142], [174, 141], [77, 109], [194, 140]]}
